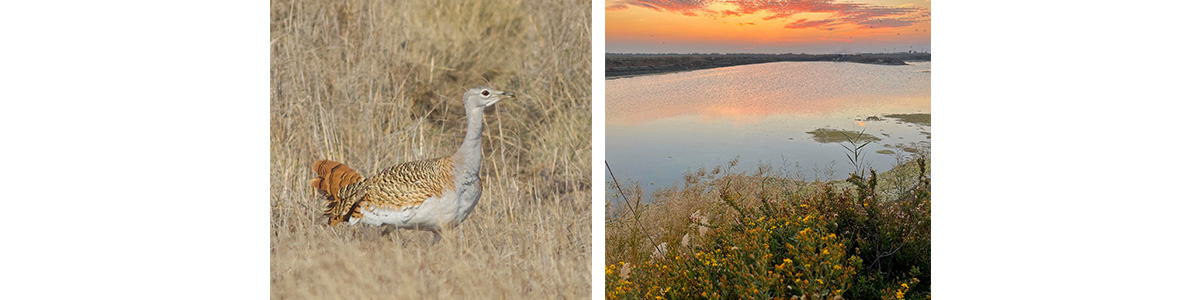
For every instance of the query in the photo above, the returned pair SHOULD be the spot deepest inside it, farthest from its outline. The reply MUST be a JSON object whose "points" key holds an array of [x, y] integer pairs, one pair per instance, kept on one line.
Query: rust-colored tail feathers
{"points": [[332, 180]]}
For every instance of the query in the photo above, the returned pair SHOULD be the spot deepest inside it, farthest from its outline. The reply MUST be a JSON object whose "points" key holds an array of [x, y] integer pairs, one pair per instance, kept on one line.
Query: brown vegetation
{"points": [[373, 84]]}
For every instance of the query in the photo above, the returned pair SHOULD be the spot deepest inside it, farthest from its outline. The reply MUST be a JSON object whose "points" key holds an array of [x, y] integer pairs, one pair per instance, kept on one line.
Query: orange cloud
{"points": [[842, 14], [617, 7]]}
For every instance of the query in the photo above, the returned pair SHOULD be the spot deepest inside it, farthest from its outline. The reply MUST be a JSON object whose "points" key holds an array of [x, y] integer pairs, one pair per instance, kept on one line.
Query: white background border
{"points": [[136, 142]]}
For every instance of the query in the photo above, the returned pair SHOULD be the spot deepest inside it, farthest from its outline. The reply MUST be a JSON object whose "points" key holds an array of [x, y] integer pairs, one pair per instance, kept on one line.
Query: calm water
{"points": [[660, 126]]}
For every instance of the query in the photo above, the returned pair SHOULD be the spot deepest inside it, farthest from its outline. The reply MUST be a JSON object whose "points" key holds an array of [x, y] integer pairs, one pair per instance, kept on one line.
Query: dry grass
{"points": [[372, 84], [631, 231]]}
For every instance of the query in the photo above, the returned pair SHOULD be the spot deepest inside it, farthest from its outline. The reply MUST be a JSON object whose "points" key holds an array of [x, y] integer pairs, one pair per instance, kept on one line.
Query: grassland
{"points": [[372, 84]]}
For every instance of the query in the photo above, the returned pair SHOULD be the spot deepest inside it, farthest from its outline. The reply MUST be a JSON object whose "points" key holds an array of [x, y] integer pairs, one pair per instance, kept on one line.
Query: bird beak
{"points": [[502, 95]]}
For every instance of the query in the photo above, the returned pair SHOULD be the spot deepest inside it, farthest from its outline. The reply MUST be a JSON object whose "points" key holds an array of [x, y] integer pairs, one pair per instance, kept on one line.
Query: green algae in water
{"points": [[826, 135], [923, 119]]}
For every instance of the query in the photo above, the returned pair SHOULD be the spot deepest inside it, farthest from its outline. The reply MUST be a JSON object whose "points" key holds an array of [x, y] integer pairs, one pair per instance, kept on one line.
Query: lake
{"points": [[660, 126]]}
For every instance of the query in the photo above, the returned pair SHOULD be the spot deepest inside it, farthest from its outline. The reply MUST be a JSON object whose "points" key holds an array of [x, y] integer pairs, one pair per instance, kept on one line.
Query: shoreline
{"points": [[629, 65]]}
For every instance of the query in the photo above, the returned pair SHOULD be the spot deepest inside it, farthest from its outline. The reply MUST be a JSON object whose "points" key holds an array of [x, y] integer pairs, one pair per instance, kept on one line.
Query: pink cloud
{"points": [[860, 15], [617, 7], [684, 7]]}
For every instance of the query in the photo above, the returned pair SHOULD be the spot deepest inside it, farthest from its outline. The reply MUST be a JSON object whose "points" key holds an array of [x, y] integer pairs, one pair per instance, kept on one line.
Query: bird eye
{"points": [[485, 93]]}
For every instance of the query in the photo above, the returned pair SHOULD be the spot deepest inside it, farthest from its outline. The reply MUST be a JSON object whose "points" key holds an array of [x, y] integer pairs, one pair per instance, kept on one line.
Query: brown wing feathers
{"points": [[411, 183], [333, 180], [395, 188]]}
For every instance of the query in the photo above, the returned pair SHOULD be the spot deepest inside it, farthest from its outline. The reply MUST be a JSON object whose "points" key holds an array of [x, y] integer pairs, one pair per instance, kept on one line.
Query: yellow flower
{"points": [[905, 285], [819, 281]]}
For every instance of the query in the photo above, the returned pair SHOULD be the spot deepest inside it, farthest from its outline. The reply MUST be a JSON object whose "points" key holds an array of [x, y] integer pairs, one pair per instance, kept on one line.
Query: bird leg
{"points": [[437, 237]]}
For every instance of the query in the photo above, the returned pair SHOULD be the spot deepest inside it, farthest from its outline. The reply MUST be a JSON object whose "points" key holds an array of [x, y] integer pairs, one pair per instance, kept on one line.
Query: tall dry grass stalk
{"points": [[376, 83], [666, 218], [633, 230]]}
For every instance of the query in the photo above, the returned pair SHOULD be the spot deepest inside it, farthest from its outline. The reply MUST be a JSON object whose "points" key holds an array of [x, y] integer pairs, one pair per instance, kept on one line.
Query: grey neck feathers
{"points": [[470, 154]]}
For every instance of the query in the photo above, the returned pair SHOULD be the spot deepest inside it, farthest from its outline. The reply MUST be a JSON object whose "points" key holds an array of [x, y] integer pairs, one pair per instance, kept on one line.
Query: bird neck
{"points": [[470, 154]]}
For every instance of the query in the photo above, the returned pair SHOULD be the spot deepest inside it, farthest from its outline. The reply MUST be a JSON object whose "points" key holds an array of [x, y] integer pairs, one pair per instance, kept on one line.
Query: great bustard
{"points": [[431, 194]]}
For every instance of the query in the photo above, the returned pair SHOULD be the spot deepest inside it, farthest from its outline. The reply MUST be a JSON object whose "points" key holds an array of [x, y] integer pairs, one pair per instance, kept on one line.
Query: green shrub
{"points": [[836, 242]]}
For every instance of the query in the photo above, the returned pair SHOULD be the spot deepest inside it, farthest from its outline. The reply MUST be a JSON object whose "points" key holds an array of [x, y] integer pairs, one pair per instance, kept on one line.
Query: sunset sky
{"points": [[766, 26]]}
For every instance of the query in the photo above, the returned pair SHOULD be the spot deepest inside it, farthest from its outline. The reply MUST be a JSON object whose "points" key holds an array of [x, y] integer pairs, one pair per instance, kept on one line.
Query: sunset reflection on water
{"points": [[659, 126]]}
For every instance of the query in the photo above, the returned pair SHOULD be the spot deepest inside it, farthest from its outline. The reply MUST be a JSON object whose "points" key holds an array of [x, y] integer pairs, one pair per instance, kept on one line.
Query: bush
{"points": [[833, 243]]}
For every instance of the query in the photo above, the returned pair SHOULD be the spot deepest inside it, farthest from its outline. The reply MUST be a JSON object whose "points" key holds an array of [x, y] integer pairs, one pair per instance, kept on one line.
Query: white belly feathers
{"points": [[429, 215]]}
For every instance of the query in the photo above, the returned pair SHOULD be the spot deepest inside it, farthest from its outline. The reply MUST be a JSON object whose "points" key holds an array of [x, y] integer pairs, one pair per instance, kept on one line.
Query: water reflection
{"points": [[751, 92], [660, 126]]}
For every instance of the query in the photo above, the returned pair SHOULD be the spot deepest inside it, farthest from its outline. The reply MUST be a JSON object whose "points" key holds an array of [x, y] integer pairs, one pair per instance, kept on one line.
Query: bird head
{"points": [[482, 97]]}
